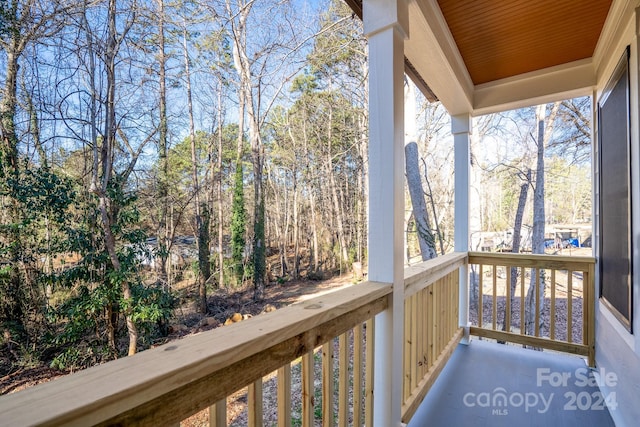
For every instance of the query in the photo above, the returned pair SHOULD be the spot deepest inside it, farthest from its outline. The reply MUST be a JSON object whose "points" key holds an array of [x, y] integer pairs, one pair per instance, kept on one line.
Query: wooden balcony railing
{"points": [[165, 385], [168, 384], [431, 330], [561, 315]]}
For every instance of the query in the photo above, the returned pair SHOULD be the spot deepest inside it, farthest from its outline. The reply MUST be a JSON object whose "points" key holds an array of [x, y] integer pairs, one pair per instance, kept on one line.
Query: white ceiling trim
{"points": [[434, 54], [431, 10], [614, 27], [551, 84]]}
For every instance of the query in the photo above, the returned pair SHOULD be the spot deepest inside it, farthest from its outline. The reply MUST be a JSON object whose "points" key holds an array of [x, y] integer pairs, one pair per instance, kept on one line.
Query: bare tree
{"points": [[164, 233], [515, 245], [219, 190], [539, 219], [22, 24], [257, 68], [420, 214], [105, 158], [201, 218], [574, 123]]}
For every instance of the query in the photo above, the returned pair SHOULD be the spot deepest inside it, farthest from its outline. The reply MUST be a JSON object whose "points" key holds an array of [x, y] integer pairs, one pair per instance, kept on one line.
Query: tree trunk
{"points": [[296, 226], [163, 231], [515, 247], [238, 224], [280, 230], [201, 236], [334, 194], [243, 68], [421, 216], [106, 155], [238, 214], [364, 154], [314, 232], [220, 199], [9, 173], [537, 235], [259, 250]]}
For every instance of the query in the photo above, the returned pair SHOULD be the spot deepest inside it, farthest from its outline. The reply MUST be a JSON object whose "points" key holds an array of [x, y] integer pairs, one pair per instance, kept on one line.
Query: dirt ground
{"points": [[222, 304]]}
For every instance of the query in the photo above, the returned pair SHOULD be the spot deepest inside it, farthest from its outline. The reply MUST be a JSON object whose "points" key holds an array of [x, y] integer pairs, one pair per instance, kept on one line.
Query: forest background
{"points": [[143, 141]]}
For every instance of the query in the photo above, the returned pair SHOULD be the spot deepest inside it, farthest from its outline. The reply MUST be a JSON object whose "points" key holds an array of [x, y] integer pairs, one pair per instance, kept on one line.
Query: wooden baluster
{"points": [[307, 390], [421, 333], [432, 322], [495, 305], [439, 318], [408, 350], [585, 307], [357, 376], [327, 383], [537, 303], [507, 314], [444, 312], [522, 302], [569, 306], [450, 324], [552, 320], [284, 396], [343, 380], [455, 277], [442, 303], [254, 403], [368, 377], [480, 305], [590, 316], [446, 306], [442, 295], [414, 357], [218, 414], [444, 315], [425, 336]]}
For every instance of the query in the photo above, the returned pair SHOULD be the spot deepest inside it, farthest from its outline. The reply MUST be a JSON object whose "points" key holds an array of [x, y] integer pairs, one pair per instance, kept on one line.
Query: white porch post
{"points": [[386, 27], [461, 128]]}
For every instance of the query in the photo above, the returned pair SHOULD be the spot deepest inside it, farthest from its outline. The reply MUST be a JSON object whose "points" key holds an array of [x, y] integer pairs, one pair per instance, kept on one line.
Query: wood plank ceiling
{"points": [[504, 38]]}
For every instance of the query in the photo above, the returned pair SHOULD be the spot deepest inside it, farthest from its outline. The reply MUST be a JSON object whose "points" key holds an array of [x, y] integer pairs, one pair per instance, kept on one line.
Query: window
{"points": [[615, 195]]}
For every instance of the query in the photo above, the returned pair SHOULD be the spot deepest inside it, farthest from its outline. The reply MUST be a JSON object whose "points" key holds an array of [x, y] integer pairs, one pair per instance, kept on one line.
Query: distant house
{"points": [[184, 250]]}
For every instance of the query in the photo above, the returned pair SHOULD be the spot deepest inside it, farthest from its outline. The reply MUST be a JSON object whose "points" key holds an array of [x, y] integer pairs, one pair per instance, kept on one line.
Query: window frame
{"points": [[622, 70]]}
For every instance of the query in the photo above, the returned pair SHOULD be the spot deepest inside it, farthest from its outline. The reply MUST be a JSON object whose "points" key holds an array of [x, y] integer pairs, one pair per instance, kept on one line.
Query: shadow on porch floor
{"points": [[493, 385]]}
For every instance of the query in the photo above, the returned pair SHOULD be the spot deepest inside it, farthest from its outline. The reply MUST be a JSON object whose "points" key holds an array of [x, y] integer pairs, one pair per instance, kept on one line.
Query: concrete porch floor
{"points": [[493, 385]]}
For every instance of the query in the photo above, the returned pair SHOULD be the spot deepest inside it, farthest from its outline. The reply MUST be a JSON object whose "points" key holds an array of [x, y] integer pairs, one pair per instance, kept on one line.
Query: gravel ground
{"points": [[237, 402], [561, 317]]}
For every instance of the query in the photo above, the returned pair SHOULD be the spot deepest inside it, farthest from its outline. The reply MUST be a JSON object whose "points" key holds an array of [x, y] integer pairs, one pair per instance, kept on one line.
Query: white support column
{"points": [[461, 128], [386, 27]]}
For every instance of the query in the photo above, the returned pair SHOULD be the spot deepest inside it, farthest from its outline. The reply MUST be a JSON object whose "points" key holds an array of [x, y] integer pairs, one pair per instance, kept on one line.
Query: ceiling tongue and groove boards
{"points": [[506, 38], [433, 52]]}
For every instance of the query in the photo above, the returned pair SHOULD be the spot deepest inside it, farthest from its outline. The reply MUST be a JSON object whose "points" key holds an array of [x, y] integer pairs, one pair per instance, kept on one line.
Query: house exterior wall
{"points": [[618, 350]]}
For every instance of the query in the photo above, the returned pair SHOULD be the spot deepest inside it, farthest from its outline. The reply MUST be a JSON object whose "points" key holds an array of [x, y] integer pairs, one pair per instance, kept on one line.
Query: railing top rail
{"points": [[102, 392], [558, 262], [419, 276]]}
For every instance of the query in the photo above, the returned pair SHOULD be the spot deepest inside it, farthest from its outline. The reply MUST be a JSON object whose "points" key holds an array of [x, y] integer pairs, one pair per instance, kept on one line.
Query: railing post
{"points": [[461, 130], [386, 27]]}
